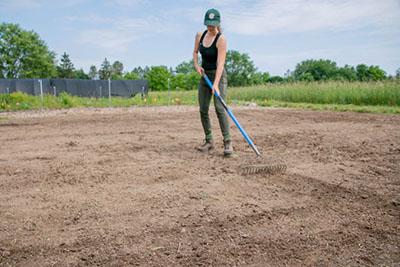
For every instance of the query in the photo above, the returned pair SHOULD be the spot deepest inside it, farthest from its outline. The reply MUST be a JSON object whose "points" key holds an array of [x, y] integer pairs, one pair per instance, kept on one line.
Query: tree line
{"points": [[24, 55]]}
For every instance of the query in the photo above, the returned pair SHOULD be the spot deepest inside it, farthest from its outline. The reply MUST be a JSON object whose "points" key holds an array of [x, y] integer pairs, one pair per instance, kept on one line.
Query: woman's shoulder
{"points": [[221, 39], [198, 35]]}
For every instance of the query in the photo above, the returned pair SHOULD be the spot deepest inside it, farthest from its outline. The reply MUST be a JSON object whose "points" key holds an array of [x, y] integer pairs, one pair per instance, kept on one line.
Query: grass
{"points": [[375, 97], [343, 93]]}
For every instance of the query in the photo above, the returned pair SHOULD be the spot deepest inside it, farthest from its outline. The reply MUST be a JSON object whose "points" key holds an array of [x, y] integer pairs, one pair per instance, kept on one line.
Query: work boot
{"points": [[228, 149], [207, 146]]}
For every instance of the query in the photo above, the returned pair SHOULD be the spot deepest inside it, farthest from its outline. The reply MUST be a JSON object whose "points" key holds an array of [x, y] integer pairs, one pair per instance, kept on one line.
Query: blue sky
{"points": [[275, 34]]}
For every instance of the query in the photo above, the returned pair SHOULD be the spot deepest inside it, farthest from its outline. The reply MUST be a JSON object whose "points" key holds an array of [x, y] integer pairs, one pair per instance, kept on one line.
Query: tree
{"points": [[178, 81], [192, 80], [240, 68], [185, 67], [66, 68], [131, 76], [93, 72], [276, 79], [322, 69], [185, 81], [158, 78], [265, 77], [362, 72], [117, 69], [80, 74], [105, 71], [376, 73], [257, 78], [398, 73], [347, 73], [23, 54], [141, 72]]}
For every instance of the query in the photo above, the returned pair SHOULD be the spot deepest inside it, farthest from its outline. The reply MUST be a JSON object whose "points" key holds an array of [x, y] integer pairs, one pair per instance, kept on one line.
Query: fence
{"points": [[83, 88]]}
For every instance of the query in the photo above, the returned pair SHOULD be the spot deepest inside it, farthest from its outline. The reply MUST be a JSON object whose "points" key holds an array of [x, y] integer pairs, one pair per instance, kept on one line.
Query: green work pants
{"points": [[205, 95]]}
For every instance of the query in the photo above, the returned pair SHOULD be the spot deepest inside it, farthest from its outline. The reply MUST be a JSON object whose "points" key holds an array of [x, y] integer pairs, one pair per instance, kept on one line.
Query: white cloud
{"points": [[276, 16], [119, 33]]}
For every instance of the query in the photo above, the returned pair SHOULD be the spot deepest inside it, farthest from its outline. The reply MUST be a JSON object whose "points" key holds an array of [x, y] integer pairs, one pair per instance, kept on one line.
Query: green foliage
{"points": [[92, 72], [141, 72], [188, 81], [323, 70], [276, 79], [66, 100], [192, 80], [80, 74], [23, 54], [346, 73], [362, 72], [117, 69], [66, 68], [315, 70], [240, 68], [131, 76], [376, 73], [185, 67], [178, 82], [158, 78], [371, 73], [106, 70]]}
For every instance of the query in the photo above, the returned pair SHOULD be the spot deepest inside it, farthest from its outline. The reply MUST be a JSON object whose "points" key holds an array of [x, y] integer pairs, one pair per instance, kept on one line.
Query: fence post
{"points": [[54, 90], [41, 91], [169, 94], [8, 90], [109, 91]]}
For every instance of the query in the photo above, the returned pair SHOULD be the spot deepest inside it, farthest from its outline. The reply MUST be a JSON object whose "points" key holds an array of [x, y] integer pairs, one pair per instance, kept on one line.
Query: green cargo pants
{"points": [[205, 95]]}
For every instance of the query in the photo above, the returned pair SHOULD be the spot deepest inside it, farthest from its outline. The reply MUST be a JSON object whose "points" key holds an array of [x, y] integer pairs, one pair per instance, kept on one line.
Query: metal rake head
{"points": [[262, 169]]}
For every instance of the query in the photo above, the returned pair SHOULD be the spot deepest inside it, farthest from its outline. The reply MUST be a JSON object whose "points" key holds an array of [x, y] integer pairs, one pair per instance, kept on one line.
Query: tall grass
{"points": [[342, 96], [343, 93]]}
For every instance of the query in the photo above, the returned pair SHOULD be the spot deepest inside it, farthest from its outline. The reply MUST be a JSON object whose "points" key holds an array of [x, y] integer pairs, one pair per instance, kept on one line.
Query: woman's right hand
{"points": [[199, 70]]}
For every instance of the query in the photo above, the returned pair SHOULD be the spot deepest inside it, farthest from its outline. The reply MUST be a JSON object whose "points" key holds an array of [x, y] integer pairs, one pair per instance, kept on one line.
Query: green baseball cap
{"points": [[212, 17]]}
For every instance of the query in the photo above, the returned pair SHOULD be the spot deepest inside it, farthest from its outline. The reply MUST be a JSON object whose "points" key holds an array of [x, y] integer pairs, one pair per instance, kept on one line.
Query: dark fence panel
{"points": [[83, 88], [5, 85]]}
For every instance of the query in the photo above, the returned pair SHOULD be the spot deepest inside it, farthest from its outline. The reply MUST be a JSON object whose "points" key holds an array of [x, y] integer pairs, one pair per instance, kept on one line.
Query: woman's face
{"points": [[211, 28]]}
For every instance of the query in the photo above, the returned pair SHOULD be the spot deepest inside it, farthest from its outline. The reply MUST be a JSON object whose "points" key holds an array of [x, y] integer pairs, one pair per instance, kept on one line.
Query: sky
{"points": [[276, 34]]}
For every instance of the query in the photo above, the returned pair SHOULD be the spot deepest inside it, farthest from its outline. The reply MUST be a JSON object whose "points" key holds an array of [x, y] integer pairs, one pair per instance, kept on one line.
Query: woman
{"points": [[212, 46]]}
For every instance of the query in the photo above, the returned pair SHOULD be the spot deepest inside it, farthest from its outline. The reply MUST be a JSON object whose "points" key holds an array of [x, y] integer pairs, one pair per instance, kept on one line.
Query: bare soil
{"points": [[126, 187]]}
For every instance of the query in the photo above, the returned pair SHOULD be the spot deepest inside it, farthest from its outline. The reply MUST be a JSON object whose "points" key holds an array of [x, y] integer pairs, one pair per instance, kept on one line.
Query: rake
{"points": [[248, 169]]}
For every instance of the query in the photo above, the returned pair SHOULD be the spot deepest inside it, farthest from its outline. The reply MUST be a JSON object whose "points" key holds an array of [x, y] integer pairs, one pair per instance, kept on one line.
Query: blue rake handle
{"points": [[245, 135]]}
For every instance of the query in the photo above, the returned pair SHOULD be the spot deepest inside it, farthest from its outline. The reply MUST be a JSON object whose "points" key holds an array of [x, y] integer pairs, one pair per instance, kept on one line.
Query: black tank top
{"points": [[209, 55]]}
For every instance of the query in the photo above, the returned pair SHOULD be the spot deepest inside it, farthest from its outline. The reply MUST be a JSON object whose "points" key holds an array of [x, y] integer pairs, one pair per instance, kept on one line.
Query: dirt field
{"points": [[126, 187]]}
